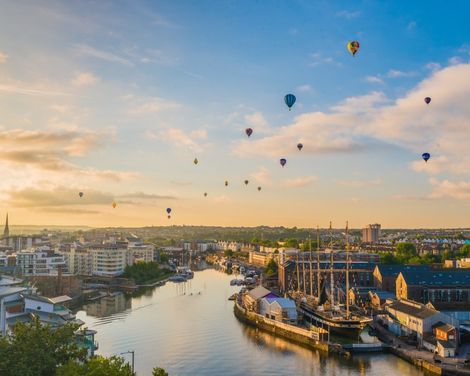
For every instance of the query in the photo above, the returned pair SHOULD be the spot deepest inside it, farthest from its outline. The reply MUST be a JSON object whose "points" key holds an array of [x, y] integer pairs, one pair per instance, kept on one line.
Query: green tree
{"points": [[228, 253], [97, 366], [405, 251], [34, 349], [271, 268], [387, 258], [464, 251], [292, 243], [159, 372]]}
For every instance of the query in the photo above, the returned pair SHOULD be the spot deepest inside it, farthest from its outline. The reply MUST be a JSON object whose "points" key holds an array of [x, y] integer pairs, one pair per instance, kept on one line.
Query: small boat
{"points": [[233, 282], [177, 278]]}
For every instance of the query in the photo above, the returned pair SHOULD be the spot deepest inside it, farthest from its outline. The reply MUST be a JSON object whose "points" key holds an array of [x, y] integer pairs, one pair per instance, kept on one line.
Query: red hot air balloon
{"points": [[283, 161], [248, 131]]}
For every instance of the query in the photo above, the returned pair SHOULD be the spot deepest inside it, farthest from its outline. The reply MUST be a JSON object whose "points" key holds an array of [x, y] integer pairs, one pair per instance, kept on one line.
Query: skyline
{"points": [[117, 101]]}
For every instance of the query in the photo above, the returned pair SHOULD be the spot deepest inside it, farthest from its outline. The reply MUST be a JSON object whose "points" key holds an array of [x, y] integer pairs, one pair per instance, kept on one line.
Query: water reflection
{"points": [[190, 329], [109, 305]]}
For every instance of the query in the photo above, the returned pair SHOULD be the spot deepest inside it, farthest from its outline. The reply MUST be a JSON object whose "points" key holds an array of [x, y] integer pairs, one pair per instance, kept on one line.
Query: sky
{"points": [[115, 99]]}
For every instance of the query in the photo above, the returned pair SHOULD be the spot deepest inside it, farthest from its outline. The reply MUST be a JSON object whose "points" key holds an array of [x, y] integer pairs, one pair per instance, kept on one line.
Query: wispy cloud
{"points": [[454, 189], [395, 73], [318, 58], [374, 79], [85, 50], [348, 14], [85, 79], [188, 140], [262, 176], [304, 88], [299, 182], [361, 183], [23, 89], [3, 57], [153, 105]]}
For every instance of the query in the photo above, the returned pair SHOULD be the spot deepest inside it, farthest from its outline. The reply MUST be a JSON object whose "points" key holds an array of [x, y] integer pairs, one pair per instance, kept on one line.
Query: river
{"points": [[189, 329]]}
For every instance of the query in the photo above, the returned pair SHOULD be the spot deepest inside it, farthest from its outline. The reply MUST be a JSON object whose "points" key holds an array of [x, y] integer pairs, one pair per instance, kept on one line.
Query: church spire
{"points": [[6, 232]]}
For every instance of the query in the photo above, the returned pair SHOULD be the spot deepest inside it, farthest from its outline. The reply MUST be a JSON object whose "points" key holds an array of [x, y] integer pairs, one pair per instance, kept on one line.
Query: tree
{"points": [[159, 372], [228, 253], [292, 243], [34, 349], [387, 258], [271, 268], [97, 366], [405, 251], [464, 251]]}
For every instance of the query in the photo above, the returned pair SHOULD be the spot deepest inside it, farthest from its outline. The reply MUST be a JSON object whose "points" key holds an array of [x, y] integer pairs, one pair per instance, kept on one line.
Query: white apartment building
{"points": [[40, 262], [140, 253], [79, 261], [108, 260]]}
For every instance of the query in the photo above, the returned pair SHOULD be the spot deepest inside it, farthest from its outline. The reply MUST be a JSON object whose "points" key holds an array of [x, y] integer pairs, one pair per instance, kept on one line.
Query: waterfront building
{"points": [[279, 309], [259, 258], [379, 298], [252, 298], [78, 259], [413, 319], [43, 261], [108, 260], [360, 296], [385, 275], [371, 233], [11, 304], [445, 289]]}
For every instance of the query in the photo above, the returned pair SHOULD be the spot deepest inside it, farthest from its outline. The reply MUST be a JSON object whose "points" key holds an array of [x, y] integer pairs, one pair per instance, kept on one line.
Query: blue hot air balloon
{"points": [[168, 210], [426, 156], [290, 100]]}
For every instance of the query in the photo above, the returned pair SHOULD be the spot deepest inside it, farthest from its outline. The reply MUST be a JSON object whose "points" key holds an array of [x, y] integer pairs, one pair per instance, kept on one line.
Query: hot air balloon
{"points": [[226, 183], [259, 189], [299, 146], [353, 47], [246, 182], [248, 131], [114, 205], [426, 157], [289, 99], [80, 194], [205, 194], [168, 210], [427, 100], [283, 161], [195, 161]]}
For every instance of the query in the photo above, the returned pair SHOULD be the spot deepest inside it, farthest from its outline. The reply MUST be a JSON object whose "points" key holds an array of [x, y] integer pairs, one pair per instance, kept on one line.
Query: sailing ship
{"points": [[323, 309]]}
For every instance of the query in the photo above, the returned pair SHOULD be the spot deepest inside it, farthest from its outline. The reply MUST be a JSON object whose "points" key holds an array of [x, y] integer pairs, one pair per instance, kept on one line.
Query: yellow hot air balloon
{"points": [[114, 204], [353, 47], [196, 161]]}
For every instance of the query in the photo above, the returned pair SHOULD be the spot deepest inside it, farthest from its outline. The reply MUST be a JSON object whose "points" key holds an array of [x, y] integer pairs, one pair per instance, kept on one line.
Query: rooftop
{"points": [[393, 270], [56, 300], [259, 292], [413, 309], [436, 278], [10, 290]]}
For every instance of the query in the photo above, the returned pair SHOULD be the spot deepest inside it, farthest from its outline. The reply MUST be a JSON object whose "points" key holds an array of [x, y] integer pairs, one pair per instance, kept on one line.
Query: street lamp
{"points": [[130, 352]]}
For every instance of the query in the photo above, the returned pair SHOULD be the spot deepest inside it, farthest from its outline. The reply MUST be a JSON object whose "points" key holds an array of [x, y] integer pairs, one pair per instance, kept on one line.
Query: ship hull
{"points": [[343, 327]]}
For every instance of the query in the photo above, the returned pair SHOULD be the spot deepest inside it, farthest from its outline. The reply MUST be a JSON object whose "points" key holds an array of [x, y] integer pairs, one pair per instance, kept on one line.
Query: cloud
{"points": [[180, 138], [361, 123], [49, 151], [23, 89], [433, 66], [146, 196], [374, 80], [317, 59], [258, 122], [153, 105], [262, 176], [446, 188], [56, 197], [394, 73], [85, 79], [85, 50], [3, 57], [222, 199], [454, 60], [360, 183], [304, 88], [349, 15], [299, 182]]}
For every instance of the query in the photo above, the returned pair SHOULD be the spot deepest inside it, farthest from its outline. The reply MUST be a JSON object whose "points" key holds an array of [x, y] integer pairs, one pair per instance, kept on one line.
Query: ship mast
{"points": [[310, 265], [347, 271], [318, 264], [332, 279], [304, 287], [298, 275]]}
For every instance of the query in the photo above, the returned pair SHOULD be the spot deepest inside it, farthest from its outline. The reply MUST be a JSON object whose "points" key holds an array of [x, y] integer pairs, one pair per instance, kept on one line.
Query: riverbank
{"points": [[420, 358], [296, 334]]}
